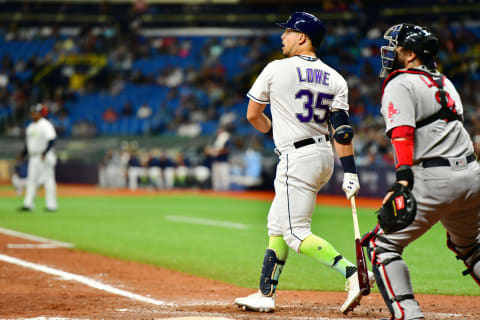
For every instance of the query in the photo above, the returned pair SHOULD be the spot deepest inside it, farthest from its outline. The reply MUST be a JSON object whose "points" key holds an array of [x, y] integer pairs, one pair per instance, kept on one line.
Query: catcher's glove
{"points": [[399, 210]]}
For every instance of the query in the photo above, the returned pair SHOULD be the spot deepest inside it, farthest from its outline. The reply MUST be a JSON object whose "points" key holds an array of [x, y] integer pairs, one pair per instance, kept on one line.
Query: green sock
{"points": [[321, 250], [280, 246]]}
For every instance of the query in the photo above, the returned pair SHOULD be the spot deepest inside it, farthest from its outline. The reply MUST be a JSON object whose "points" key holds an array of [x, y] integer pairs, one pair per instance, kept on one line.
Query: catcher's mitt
{"points": [[399, 210]]}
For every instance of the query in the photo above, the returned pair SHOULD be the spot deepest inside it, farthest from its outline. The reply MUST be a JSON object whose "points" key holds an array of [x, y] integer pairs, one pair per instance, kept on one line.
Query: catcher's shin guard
{"points": [[271, 270], [470, 256], [392, 277]]}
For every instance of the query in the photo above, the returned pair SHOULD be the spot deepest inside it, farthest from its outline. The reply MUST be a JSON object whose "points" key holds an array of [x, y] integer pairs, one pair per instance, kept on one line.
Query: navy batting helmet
{"points": [[418, 39], [306, 23]]}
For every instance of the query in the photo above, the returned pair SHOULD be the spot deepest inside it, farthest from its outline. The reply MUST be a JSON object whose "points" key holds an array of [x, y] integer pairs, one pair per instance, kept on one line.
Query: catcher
{"points": [[438, 177]]}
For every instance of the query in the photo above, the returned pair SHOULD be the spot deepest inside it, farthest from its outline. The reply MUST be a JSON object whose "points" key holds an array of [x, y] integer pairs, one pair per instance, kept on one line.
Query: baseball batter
{"points": [[40, 139], [304, 95], [434, 157]]}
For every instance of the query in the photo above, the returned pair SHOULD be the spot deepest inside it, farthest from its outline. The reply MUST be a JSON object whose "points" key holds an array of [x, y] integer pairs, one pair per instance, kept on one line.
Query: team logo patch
{"points": [[400, 202], [392, 111]]}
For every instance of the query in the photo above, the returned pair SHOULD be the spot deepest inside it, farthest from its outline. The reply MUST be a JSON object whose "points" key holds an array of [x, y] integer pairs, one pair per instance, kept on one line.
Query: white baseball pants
{"points": [[300, 174], [41, 172]]}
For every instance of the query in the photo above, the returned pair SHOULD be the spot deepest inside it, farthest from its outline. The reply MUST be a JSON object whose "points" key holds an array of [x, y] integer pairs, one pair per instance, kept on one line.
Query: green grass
{"points": [[139, 229]]}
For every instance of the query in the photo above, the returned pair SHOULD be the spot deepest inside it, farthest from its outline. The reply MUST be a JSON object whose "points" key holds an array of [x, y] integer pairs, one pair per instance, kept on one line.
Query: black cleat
{"points": [[24, 209]]}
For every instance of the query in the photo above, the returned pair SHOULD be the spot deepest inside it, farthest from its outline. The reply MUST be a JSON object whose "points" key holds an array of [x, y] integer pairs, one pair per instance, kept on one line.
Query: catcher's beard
{"points": [[398, 64]]}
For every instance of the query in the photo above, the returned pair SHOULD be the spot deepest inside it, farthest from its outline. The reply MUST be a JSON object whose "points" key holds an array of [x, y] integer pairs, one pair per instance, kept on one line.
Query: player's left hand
{"points": [[389, 194], [398, 209], [350, 184]]}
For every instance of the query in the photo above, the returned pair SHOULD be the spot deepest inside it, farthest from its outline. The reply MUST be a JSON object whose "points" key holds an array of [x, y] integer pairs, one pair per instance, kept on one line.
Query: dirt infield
{"points": [[29, 293]]}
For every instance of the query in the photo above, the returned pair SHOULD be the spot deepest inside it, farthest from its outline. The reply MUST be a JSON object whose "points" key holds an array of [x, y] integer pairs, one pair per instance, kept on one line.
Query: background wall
{"points": [[135, 77]]}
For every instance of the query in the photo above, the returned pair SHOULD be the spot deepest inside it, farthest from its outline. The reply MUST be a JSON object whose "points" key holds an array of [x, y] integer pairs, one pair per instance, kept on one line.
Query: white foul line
{"points": [[207, 222], [52, 243], [32, 245], [74, 277]]}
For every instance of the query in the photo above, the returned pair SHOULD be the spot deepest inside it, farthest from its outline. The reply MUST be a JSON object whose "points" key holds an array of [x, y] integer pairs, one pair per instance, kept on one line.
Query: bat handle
{"points": [[356, 228]]}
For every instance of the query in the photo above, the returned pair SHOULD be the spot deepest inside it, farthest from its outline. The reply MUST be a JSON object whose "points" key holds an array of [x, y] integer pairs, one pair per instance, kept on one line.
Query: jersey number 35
{"points": [[314, 106]]}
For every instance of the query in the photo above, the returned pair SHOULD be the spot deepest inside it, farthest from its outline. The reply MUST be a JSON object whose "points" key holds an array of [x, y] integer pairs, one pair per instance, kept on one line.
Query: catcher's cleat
{"points": [[256, 302], [354, 293]]}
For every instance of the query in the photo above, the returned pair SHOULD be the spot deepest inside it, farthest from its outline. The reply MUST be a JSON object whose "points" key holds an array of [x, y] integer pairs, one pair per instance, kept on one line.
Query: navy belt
{"points": [[306, 142], [442, 162]]}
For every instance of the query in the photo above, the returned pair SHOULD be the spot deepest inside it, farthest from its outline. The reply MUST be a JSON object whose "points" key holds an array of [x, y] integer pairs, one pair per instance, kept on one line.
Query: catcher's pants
{"points": [[41, 172], [450, 195], [300, 175]]}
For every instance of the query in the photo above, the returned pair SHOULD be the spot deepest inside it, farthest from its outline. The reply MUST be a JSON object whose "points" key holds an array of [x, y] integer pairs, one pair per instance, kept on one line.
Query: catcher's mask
{"points": [[418, 39]]}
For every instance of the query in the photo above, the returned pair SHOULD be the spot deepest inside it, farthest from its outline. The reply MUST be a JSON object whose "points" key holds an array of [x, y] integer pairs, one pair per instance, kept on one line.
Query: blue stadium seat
{"points": [[208, 127]]}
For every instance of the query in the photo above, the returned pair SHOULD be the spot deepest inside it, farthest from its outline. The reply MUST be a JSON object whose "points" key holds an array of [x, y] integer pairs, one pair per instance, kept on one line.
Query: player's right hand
{"points": [[351, 186]]}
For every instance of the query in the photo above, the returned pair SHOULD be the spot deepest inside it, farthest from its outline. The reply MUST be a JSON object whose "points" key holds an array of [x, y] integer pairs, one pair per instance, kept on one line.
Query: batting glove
{"points": [[350, 184]]}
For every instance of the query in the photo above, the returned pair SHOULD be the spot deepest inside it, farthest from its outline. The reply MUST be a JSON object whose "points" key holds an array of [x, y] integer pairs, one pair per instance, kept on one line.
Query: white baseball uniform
{"points": [[41, 171], [446, 180], [220, 162], [301, 91]]}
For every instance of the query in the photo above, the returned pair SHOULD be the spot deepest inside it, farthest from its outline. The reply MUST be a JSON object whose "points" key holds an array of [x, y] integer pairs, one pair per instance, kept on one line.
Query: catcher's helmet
{"points": [[308, 24], [418, 39]]}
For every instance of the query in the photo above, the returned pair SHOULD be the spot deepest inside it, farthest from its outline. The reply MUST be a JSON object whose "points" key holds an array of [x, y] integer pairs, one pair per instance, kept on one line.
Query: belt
{"points": [[301, 143], [306, 142], [442, 162]]}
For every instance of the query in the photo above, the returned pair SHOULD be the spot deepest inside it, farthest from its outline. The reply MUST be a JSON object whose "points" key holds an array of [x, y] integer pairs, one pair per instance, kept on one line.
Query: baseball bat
{"points": [[361, 263]]}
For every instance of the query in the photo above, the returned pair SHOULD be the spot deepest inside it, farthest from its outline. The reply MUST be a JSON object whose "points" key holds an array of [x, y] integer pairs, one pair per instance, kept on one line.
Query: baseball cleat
{"points": [[24, 209], [256, 302], [354, 293]]}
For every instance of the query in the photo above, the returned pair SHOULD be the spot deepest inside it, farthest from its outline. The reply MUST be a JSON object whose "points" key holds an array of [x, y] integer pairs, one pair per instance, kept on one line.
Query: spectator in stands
{"points": [[110, 115], [62, 123], [127, 109], [144, 112], [185, 48], [171, 77], [84, 129], [208, 80], [7, 66]]}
